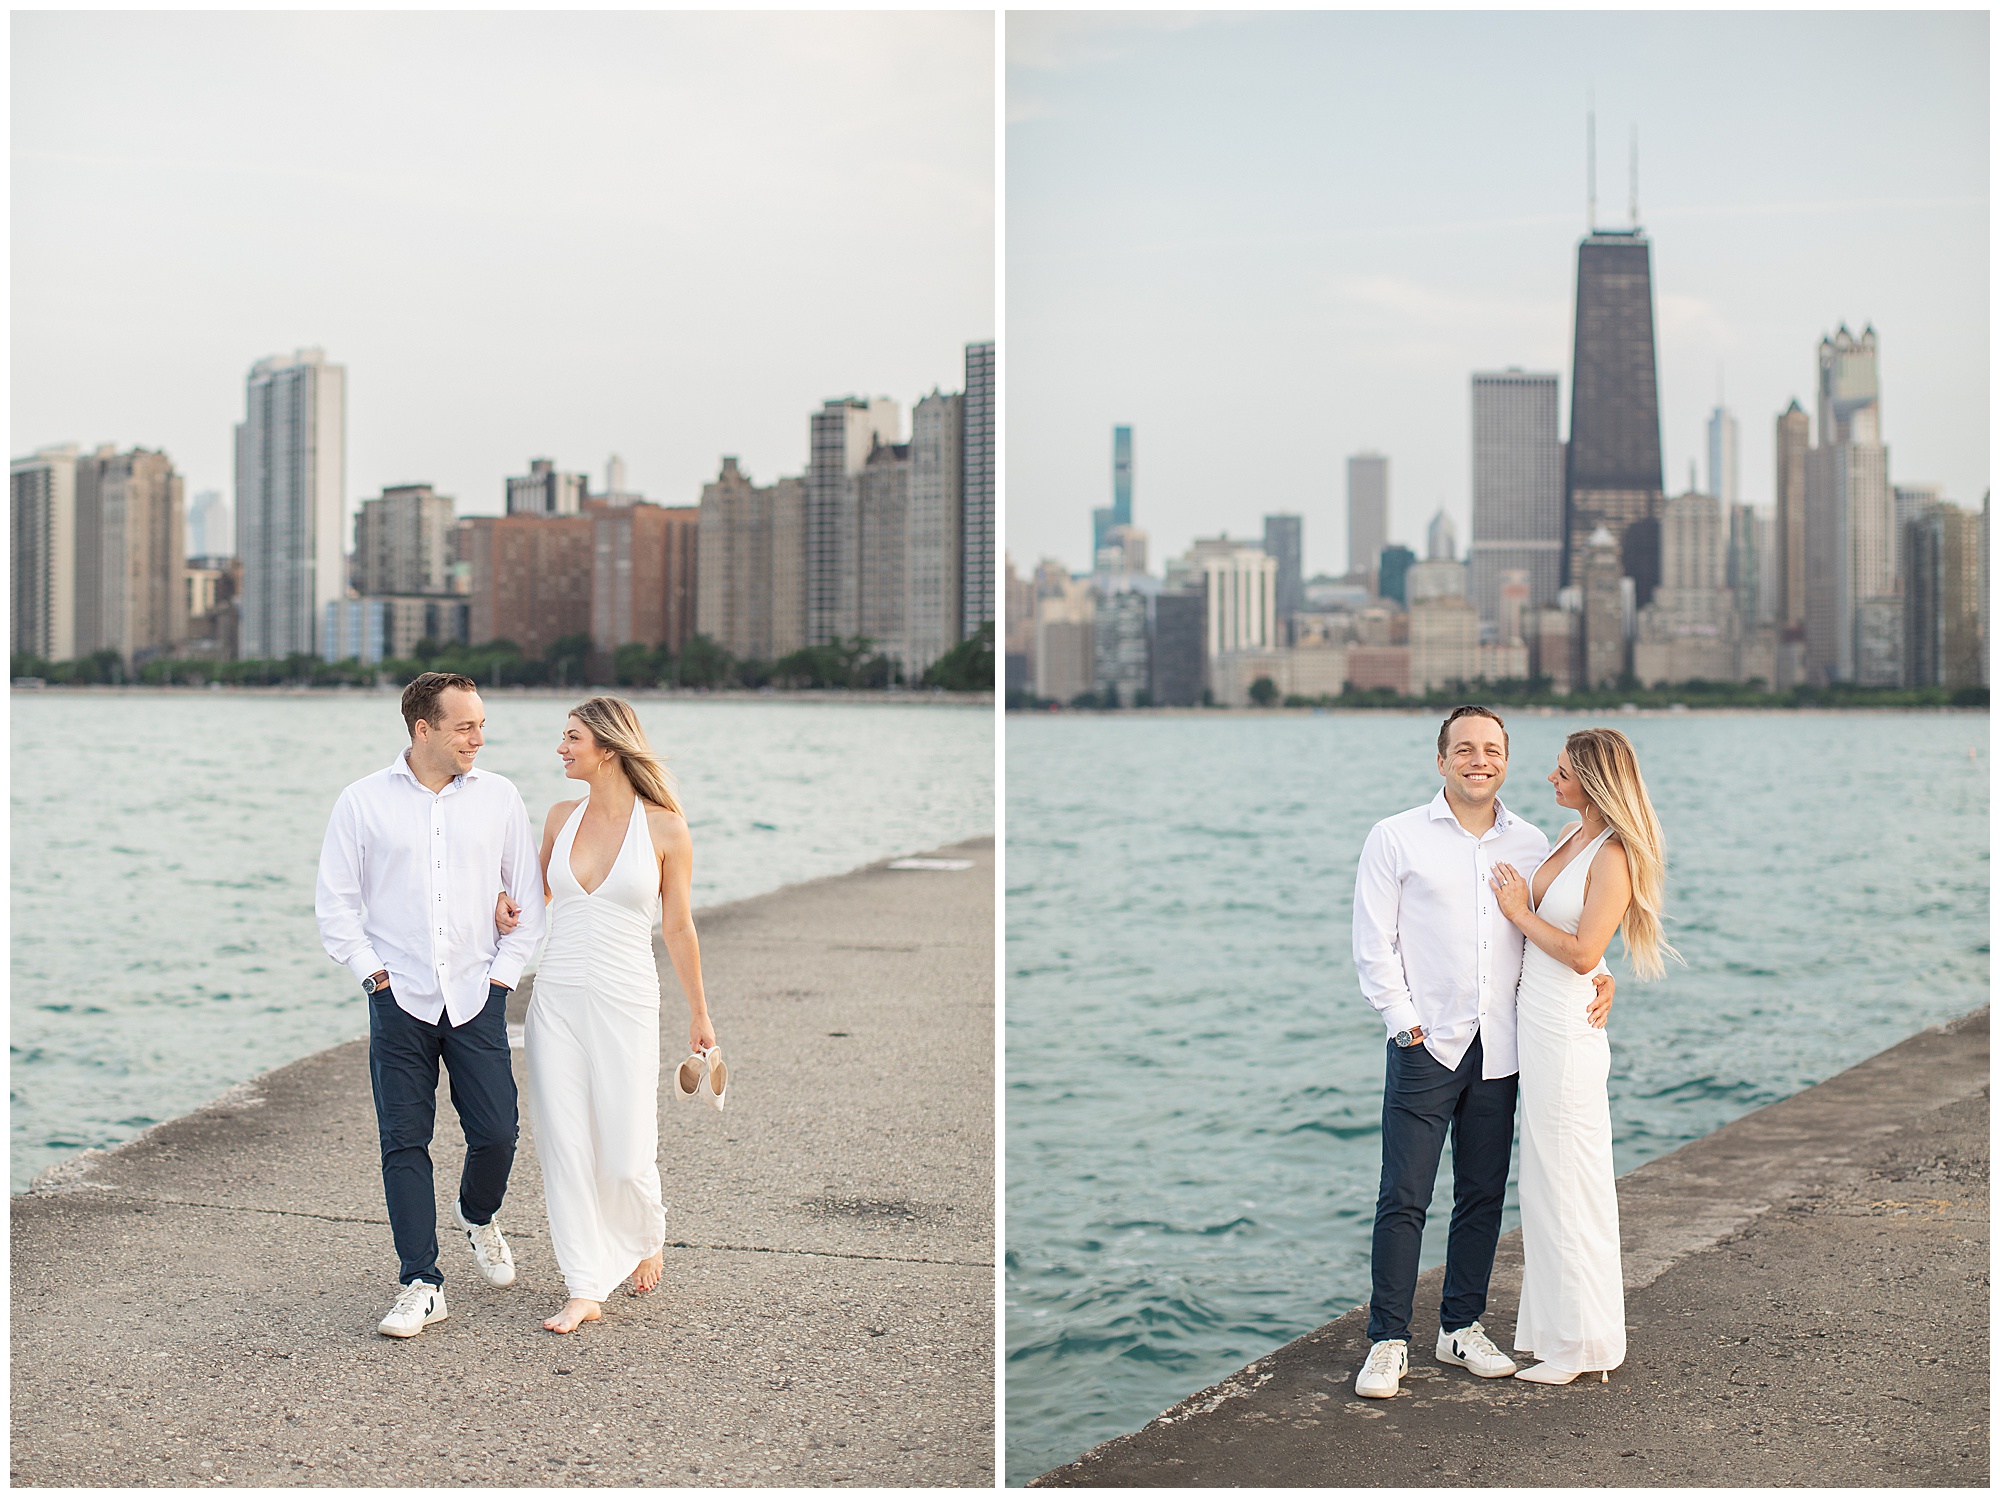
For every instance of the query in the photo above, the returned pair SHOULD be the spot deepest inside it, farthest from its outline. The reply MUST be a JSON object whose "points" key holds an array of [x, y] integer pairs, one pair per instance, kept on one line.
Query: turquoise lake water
{"points": [[165, 848], [1194, 1081]]}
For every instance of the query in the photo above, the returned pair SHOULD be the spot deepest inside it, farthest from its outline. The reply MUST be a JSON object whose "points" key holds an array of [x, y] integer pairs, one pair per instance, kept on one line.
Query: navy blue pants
{"points": [[403, 1057], [1420, 1097]]}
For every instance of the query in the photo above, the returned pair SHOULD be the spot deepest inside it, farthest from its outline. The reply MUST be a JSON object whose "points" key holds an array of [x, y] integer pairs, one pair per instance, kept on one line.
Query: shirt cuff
{"points": [[1401, 1016], [506, 971], [365, 964]]}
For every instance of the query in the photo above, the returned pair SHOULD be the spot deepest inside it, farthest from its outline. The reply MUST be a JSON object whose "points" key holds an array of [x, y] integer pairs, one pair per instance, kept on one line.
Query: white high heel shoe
{"points": [[714, 1077], [688, 1076], [1542, 1373]]}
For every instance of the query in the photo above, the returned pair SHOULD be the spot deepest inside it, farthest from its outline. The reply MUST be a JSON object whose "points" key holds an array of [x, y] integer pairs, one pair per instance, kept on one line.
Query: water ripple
{"points": [[1215, 1049], [212, 968]]}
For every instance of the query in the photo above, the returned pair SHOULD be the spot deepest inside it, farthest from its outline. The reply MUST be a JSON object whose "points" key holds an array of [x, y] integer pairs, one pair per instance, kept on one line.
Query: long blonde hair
{"points": [[615, 726], [1608, 771]]}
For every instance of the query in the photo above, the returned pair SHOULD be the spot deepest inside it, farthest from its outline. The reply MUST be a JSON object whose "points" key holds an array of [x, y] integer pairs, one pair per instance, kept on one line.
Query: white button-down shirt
{"points": [[408, 879], [1430, 943]]}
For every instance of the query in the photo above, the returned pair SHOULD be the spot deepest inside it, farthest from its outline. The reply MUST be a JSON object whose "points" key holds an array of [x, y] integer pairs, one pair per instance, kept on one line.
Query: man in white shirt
{"points": [[414, 859], [1440, 963]]}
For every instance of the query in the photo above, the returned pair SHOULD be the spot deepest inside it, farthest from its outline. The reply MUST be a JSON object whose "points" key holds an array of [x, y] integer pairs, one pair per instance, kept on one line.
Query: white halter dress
{"points": [[593, 1053], [1572, 1313]]}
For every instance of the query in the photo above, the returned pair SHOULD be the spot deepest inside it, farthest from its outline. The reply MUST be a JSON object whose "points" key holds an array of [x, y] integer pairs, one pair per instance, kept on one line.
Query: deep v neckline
{"points": [[569, 858], [1535, 904]]}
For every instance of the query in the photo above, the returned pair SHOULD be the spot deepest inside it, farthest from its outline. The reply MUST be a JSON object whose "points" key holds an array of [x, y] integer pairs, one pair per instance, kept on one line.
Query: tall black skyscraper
{"points": [[1612, 466]]}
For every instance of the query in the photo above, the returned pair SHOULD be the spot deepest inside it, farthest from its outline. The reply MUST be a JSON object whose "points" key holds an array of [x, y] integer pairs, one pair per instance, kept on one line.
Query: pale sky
{"points": [[669, 236], [1269, 241]]}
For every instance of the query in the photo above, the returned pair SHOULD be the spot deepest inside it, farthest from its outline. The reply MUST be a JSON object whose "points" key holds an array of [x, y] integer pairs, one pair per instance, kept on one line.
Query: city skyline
{"points": [[1313, 252], [618, 268]]}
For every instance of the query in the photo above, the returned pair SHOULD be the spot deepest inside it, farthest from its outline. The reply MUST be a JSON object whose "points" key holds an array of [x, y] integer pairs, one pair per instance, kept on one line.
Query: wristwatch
{"points": [[371, 987], [1412, 1036]]}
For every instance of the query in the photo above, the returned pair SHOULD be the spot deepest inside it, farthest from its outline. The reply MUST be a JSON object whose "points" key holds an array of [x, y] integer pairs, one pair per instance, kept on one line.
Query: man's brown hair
{"points": [[420, 697], [1469, 711]]}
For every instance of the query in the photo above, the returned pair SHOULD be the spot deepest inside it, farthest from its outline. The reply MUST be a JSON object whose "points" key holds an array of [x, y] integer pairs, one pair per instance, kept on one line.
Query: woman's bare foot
{"points": [[574, 1313], [647, 1275]]}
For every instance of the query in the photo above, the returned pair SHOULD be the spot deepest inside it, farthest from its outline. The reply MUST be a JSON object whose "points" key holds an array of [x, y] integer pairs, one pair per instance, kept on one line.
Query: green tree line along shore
{"points": [[570, 661], [1536, 692]]}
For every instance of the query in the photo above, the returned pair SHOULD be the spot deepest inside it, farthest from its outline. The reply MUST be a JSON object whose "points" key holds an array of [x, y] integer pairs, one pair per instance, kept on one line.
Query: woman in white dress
{"points": [[1605, 874], [613, 863]]}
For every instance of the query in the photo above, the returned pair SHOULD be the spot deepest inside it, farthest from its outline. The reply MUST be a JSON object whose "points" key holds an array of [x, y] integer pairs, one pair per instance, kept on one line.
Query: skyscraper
{"points": [[1241, 585], [1065, 637], [882, 519], [1392, 566], [1603, 610], [976, 531], [644, 566], [614, 478], [291, 501], [844, 433], [1517, 489], [1108, 518], [211, 529], [1123, 668], [1794, 441], [544, 491], [1942, 597], [1121, 475], [934, 565], [751, 558], [1722, 457], [1690, 629], [1744, 567], [1441, 539], [1850, 549], [42, 501], [1284, 540], [1614, 479], [1907, 502], [1367, 515], [402, 542], [1178, 655], [531, 578], [131, 587]]}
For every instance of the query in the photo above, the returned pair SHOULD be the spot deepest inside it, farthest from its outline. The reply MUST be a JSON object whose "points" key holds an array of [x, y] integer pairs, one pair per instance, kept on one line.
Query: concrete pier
{"points": [[199, 1306], [1807, 1302]]}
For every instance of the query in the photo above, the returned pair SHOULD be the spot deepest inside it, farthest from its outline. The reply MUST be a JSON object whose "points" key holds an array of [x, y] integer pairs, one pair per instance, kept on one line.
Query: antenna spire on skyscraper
{"points": [[1635, 176], [1590, 155]]}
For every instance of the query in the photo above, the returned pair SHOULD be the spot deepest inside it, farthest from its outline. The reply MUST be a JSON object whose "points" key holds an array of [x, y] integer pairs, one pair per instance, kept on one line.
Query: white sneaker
{"points": [[417, 1307], [1473, 1350], [1382, 1374], [489, 1249]]}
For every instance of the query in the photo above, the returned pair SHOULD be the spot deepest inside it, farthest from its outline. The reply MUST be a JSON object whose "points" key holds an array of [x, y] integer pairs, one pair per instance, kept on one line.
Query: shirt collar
{"points": [[401, 766], [1441, 812]]}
